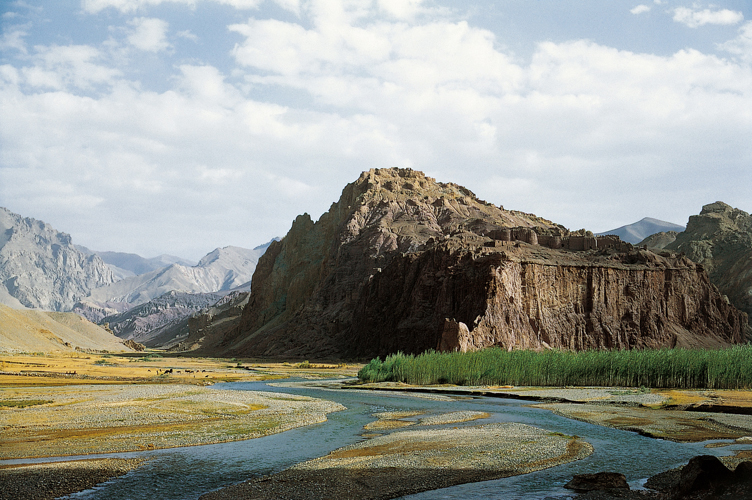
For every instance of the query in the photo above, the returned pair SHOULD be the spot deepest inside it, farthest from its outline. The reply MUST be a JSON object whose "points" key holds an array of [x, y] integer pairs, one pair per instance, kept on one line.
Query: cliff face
{"points": [[720, 238], [402, 262], [41, 269], [459, 299]]}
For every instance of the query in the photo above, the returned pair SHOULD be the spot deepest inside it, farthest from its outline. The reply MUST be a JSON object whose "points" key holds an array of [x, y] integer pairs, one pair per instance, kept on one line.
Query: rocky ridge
{"points": [[719, 239], [402, 262], [159, 321], [40, 268]]}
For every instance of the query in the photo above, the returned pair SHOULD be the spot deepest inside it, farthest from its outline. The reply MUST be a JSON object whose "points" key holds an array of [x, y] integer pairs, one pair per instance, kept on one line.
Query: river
{"points": [[187, 473]]}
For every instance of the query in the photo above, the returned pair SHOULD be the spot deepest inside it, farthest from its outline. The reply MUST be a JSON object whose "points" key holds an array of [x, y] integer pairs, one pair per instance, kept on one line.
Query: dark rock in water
{"points": [[404, 263], [598, 481], [743, 471], [703, 473], [665, 481]]}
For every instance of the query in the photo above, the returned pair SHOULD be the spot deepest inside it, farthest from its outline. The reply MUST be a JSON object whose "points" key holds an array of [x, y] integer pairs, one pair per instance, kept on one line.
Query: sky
{"points": [[179, 126]]}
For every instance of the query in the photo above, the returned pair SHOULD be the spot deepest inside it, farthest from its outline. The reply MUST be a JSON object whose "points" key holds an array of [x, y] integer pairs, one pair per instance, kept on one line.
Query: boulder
{"points": [[598, 481]]}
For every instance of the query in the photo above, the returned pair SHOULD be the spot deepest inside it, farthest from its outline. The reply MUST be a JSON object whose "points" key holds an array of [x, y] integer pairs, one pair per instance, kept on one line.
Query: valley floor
{"points": [[91, 403]]}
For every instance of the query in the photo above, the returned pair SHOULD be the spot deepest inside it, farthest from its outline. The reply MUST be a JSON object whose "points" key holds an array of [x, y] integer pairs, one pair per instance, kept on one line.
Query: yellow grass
{"points": [[80, 368]]}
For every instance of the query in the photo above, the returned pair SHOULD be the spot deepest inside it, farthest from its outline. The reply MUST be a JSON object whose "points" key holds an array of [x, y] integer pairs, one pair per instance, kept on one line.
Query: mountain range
{"points": [[125, 265], [40, 268], [638, 231]]}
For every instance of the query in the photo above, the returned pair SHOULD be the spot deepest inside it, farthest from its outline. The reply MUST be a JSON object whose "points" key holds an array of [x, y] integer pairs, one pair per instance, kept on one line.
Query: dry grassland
{"points": [[76, 404]]}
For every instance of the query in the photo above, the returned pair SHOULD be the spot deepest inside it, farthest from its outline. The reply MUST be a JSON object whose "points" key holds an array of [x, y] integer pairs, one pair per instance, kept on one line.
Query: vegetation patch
{"points": [[22, 403], [666, 368]]}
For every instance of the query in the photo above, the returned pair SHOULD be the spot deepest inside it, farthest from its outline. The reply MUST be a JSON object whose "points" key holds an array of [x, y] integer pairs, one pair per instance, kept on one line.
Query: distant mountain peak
{"points": [[638, 231]]}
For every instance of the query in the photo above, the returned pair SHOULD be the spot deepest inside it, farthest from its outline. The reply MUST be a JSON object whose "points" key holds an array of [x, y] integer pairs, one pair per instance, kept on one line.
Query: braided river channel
{"points": [[187, 473]]}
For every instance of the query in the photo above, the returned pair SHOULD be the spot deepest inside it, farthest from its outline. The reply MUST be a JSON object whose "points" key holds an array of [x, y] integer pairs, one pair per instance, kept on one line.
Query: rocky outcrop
{"points": [[547, 299], [402, 261], [208, 327], [598, 481], [41, 269], [720, 238], [161, 320]]}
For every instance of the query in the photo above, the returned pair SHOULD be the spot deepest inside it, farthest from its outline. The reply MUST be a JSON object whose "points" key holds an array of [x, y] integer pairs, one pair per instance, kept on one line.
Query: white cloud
{"points": [[58, 67], [149, 34], [129, 6], [14, 39], [697, 18], [640, 9], [290, 5], [575, 134], [742, 44], [187, 35]]}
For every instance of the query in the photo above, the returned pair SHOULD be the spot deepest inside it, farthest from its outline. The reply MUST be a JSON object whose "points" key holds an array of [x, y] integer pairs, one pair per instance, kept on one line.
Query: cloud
{"points": [[579, 133], [741, 46], [130, 6], [697, 18], [14, 39], [640, 9], [60, 67], [149, 34]]}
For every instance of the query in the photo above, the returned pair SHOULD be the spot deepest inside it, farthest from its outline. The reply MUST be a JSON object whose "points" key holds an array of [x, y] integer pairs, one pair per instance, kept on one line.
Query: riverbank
{"points": [[81, 420], [408, 462], [53, 480], [676, 415]]}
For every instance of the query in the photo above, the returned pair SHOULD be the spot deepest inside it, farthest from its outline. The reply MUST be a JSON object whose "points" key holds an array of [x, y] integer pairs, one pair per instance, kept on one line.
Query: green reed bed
{"points": [[680, 368]]}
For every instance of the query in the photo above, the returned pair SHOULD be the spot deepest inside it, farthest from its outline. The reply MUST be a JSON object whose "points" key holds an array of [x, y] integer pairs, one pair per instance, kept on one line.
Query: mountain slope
{"points": [[720, 238], [151, 323], [40, 268], [638, 231], [402, 262], [38, 331], [220, 270]]}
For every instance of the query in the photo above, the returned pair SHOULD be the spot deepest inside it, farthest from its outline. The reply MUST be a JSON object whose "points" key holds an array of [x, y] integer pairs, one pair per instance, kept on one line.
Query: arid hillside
{"points": [[39, 331], [402, 262]]}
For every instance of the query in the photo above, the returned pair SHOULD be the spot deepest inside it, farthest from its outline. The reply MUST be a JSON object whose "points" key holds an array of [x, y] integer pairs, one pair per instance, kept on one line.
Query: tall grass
{"points": [[679, 368]]}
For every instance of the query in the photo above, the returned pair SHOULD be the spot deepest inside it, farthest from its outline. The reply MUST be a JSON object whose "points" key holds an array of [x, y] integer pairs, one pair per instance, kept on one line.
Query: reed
{"points": [[666, 368]]}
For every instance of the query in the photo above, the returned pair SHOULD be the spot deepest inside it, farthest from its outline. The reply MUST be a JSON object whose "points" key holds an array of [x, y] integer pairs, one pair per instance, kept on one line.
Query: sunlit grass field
{"points": [[663, 368]]}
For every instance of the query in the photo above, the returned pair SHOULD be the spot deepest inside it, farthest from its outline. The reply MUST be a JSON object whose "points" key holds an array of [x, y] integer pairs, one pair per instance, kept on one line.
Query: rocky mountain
{"points": [[158, 321], [402, 262], [125, 265], [39, 331], [638, 231], [223, 269], [207, 328], [720, 239], [40, 268]]}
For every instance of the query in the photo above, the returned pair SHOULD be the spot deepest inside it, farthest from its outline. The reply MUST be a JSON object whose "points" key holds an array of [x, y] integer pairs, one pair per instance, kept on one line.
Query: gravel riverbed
{"points": [[53, 480], [407, 462]]}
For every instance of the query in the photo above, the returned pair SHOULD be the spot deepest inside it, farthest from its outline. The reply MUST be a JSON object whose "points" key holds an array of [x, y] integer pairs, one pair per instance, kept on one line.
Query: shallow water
{"points": [[187, 473]]}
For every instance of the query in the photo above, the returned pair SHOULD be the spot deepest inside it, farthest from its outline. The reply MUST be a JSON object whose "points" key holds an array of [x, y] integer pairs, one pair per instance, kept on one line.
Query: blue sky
{"points": [[176, 126]]}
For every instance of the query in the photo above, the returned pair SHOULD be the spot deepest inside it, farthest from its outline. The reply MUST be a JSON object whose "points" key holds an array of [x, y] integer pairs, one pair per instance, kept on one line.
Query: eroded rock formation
{"points": [[402, 262], [719, 238]]}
